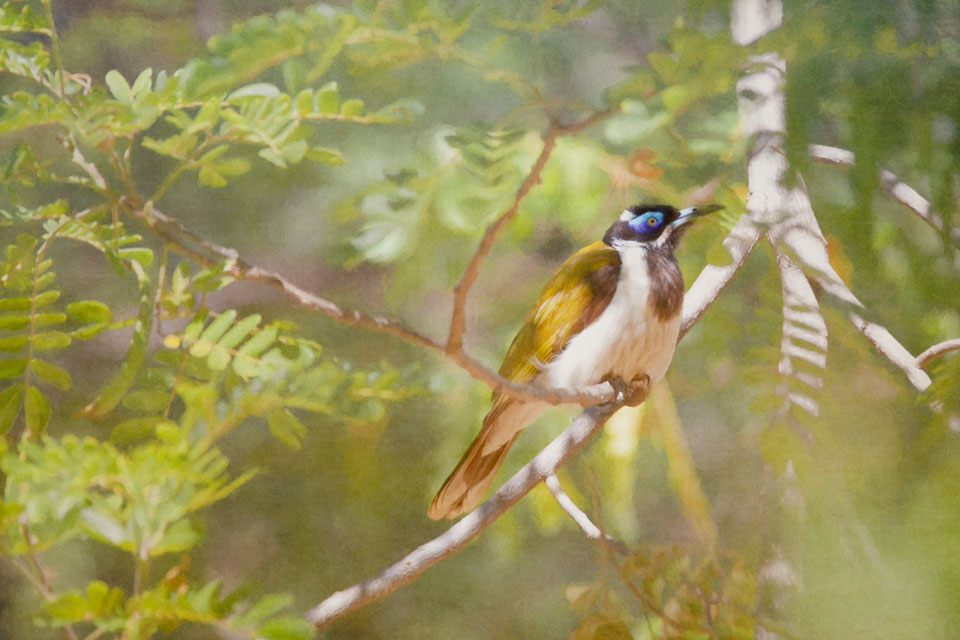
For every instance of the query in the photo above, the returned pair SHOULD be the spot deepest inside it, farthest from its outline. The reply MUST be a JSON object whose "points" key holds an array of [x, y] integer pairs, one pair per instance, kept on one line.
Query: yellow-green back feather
{"points": [[574, 297]]}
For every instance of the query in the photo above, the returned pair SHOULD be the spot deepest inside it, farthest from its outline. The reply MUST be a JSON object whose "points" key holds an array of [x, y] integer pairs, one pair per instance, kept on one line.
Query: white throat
{"points": [[627, 339]]}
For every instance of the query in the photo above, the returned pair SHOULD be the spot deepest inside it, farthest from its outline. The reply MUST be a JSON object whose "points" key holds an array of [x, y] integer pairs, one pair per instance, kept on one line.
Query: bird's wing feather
{"points": [[573, 298]]}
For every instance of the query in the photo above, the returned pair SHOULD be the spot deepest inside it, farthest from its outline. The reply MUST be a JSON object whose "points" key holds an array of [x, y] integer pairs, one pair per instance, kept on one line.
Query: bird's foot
{"points": [[629, 394]]}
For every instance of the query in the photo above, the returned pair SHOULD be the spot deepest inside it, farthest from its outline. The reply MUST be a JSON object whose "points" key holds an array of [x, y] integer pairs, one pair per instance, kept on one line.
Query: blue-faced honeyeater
{"points": [[611, 312]]}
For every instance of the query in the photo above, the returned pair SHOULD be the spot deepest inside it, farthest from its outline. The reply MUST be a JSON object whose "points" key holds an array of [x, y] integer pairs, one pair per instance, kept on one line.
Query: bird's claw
{"points": [[629, 394]]}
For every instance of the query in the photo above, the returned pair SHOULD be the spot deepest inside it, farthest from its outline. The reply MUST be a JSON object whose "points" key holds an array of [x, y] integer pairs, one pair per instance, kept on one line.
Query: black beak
{"points": [[692, 213]]}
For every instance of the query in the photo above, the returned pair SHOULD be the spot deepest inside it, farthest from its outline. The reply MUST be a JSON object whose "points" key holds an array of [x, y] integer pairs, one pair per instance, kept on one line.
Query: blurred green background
{"points": [[875, 540]]}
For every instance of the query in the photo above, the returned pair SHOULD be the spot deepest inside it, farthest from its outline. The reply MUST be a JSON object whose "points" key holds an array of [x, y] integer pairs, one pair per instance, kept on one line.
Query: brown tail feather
{"points": [[471, 478]]}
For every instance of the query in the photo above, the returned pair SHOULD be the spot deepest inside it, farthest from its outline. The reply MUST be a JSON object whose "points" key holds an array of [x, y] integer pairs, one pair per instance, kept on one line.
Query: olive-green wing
{"points": [[573, 298], [576, 294]]}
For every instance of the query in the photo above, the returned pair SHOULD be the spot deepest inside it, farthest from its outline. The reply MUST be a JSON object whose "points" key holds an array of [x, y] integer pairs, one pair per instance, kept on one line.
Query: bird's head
{"points": [[653, 225]]}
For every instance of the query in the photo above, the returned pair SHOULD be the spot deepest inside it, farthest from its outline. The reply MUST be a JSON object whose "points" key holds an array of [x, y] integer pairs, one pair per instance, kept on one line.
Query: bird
{"points": [[611, 312]]}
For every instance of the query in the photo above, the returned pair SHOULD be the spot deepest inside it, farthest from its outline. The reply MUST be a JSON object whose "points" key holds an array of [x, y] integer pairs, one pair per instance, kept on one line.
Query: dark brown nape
{"points": [[666, 281]]}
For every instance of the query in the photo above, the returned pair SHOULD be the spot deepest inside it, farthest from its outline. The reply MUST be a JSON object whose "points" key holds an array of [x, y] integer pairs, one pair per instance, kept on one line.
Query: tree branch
{"points": [[713, 279], [891, 349], [181, 239], [472, 272], [937, 350], [456, 537], [583, 521], [894, 186]]}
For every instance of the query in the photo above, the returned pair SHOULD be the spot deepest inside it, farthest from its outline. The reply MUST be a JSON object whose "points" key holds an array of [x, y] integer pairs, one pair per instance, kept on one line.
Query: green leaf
{"points": [[51, 373], [14, 323], [245, 363], [287, 628], [352, 108], [47, 297], [205, 343], [325, 155], [285, 427], [49, 340], [180, 536], [89, 311], [133, 430], [106, 528], [44, 319], [16, 304], [9, 407], [100, 602], [192, 332], [12, 344], [114, 390], [143, 82], [118, 86], [269, 605], [220, 355], [272, 157], [328, 98], [36, 411], [12, 367], [147, 400], [261, 89], [91, 330], [138, 254], [304, 102]]}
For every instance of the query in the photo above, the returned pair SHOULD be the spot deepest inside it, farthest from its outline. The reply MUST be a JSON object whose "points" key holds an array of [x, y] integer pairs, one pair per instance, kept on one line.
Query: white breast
{"points": [[626, 340]]}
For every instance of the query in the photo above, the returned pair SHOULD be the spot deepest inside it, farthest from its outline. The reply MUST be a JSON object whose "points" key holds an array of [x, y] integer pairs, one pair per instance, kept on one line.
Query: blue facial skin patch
{"points": [[646, 222]]}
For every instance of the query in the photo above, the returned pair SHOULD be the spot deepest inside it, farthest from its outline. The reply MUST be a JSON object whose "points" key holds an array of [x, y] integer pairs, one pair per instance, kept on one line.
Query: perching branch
{"points": [[937, 350], [894, 186], [472, 272], [460, 534], [583, 521]]}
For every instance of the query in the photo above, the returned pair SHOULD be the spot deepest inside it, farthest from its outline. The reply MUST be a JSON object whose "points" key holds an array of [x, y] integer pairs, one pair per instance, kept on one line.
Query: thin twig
{"points": [[937, 350], [55, 46], [470, 274], [894, 186], [90, 168], [573, 438], [42, 583], [583, 521]]}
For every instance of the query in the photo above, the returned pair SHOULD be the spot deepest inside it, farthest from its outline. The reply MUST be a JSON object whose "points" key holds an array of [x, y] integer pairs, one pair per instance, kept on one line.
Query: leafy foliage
{"points": [[364, 148], [680, 595]]}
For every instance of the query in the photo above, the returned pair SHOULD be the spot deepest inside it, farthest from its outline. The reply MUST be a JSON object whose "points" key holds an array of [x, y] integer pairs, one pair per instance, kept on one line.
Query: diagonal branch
{"points": [[408, 568], [891, 349], [181, 239], [472, 272], [897, 188], [583, 521], [713, 279]]}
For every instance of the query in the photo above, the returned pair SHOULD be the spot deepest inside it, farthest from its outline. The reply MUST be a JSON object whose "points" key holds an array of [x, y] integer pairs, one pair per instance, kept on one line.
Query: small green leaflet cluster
{"points": [[211, 122], [160, 609], [470, 175], [140, 502], [32, 327], [226, 369]]}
